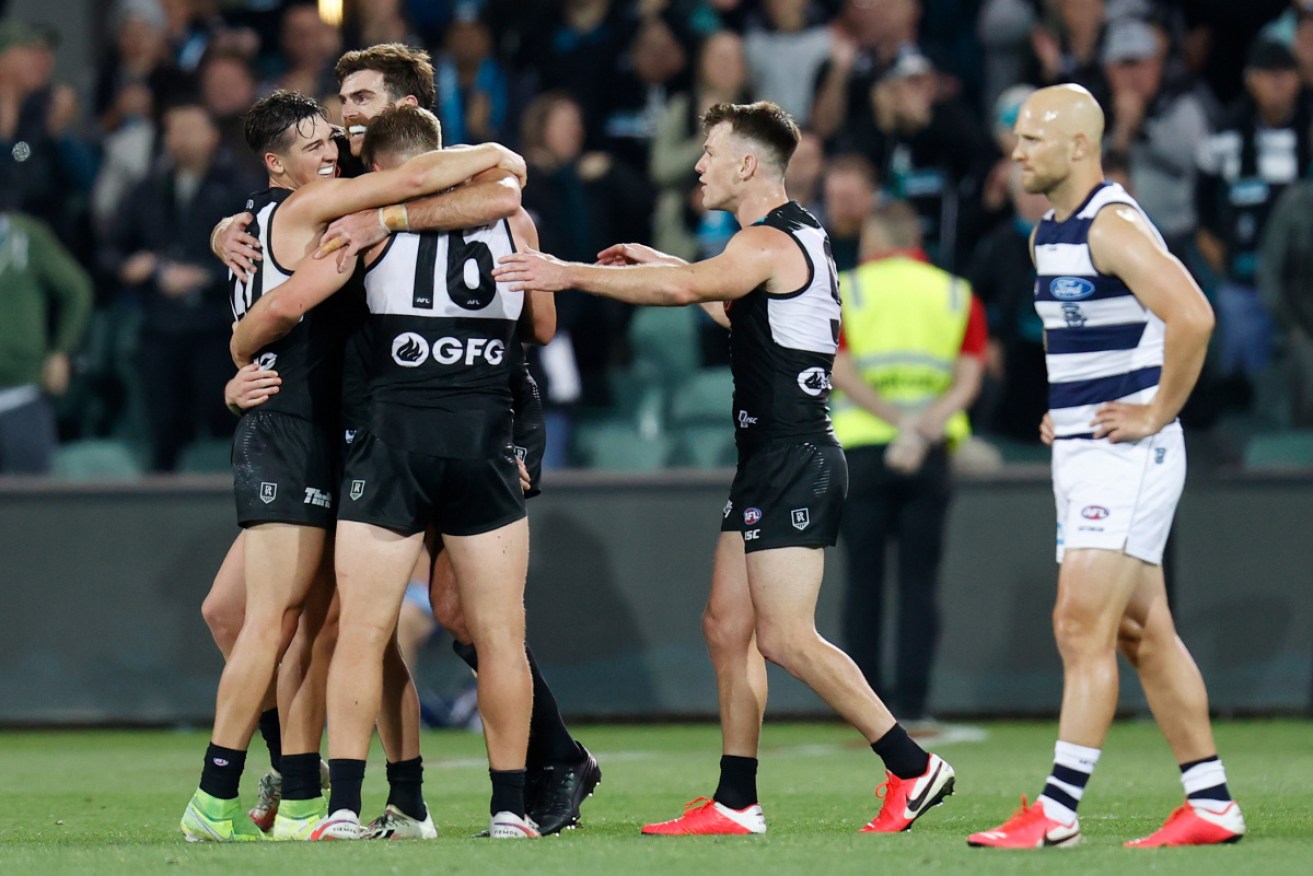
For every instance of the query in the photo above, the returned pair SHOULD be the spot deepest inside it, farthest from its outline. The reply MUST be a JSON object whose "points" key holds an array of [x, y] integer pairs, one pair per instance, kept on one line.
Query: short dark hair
{"points": [[406, 70], [271, 124], [401, 130], [763, 122]]}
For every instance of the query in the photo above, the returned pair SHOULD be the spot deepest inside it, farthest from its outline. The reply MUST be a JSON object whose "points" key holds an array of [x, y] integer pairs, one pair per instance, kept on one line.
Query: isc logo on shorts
{"points": [[410, 350]]}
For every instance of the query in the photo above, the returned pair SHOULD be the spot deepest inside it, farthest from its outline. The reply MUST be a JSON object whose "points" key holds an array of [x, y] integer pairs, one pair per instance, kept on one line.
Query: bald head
{"points": [[1059, 137]]}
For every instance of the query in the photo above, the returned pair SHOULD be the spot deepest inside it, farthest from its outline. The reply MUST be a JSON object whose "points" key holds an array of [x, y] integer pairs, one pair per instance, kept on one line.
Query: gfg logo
{"points": [[410, 350]]}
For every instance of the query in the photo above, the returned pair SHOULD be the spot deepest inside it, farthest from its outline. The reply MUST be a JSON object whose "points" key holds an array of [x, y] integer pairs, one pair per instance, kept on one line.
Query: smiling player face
{"points": [[364, 95]]}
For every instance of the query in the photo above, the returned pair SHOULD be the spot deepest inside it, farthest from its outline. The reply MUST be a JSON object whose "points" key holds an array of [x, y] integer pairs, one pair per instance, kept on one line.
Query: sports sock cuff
{"points": [[507, 792], [1077, 757], [1206, 780], [222, 773], [406, 770], [271, 732], [347, 775], [901, 755], [301, 776]]}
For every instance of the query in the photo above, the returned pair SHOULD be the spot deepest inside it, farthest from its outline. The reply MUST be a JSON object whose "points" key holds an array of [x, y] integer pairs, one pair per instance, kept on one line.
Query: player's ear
{"points": [[408, 100], [748, 166], [273, 163]]}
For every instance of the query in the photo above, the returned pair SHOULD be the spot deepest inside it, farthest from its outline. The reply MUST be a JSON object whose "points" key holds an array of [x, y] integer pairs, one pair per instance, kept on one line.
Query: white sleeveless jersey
{"points": [[1102, 344]]}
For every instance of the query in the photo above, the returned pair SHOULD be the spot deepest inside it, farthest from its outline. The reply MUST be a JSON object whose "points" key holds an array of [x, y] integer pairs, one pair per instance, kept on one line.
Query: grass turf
{"points": [[109, 802]]}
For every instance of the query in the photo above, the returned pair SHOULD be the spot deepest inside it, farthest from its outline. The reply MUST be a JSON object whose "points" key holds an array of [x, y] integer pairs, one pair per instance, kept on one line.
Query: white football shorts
{"points": [[1119, 497]]}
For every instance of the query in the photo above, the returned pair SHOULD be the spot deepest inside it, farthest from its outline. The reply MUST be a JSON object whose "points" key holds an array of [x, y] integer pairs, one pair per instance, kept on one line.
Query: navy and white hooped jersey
{"points": [[782, 346], [308, 359], [1102, 344], [439, 336]]}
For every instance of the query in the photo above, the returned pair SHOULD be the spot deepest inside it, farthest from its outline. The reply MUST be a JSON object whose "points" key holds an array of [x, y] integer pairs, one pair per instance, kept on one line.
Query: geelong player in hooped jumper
{"points": [[780, 297], [1126, 331]]}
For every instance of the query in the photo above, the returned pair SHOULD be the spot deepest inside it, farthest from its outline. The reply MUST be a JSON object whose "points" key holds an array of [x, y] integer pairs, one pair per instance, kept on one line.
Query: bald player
{"points": [[1126, 330]]}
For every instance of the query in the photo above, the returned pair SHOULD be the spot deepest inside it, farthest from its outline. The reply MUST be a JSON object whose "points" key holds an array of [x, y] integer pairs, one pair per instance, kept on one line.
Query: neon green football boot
{"points": [[209, 819], [296, 819]]}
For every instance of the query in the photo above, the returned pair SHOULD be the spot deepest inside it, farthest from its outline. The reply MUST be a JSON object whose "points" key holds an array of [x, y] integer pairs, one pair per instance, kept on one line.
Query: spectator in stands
{"points": [[473, 92], [851, 191], [909, 365], [784, 52], [228, 89], [805, 173], [648, 75], [1066, 46], [46, 169], [1155, 123], [1285, 284], [39, 279], [379, 21], [582, 202], [1004, 30], [929, 152], [159, 250], [1261, 148], [1002, 273], [196, 28], [139, 56], [996, 196], [721, 78], [310, 47], [867, 39]]}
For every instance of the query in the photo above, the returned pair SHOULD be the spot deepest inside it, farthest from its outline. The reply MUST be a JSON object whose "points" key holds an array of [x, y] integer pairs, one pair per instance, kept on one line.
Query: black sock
{"points": [[549, 739], [467, 653], [222, 772], [901, 756], [346, 776], [507, 792], [301, 776], [406, 787], [738, 782], [272, 732]]}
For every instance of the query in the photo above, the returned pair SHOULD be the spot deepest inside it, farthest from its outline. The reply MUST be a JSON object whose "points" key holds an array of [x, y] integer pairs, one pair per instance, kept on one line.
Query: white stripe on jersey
{"points": [[805, 321], [1072, 259], [242, 296], [1097, 313], [1087, 366]]}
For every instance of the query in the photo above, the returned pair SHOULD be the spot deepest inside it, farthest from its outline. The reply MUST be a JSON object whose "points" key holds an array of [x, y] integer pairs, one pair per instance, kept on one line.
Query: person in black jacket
{"points": [[158, 249]]}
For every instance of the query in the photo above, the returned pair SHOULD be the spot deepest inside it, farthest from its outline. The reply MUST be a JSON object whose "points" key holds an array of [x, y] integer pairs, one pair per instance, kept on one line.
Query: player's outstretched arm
{"points": [[278, 312], [538, 321], [747, 262], [491, 195], [429, 173], [1122, 244]]}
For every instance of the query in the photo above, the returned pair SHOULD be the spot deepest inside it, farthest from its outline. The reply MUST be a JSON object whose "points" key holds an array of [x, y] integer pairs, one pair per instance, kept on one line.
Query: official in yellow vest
{"points": [[910, 363]]}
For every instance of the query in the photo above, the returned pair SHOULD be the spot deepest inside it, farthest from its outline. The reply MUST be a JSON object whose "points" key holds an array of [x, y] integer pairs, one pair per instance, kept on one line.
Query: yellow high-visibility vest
{"points": [[903, 324]]}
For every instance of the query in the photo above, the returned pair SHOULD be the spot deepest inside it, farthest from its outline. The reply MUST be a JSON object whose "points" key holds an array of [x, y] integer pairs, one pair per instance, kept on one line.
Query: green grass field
{"points": [[109, 802]]}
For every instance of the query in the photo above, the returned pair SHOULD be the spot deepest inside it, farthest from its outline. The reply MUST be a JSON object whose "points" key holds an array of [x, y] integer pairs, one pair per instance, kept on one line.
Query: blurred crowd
{"points": [[110, 184]]}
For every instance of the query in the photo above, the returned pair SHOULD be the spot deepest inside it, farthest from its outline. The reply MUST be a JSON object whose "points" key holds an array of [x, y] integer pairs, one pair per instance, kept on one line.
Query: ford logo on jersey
{"points": [[1070, 288]]}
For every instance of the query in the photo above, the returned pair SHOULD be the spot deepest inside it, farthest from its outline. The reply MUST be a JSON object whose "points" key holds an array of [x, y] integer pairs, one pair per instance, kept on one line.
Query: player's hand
{"points": [[525, 482], [1046, 429], [636, 254], [513, 163], [55, 374], [250, 387], [531, 270], [238, 250], [1122, 423], [351, 235], [177, 279]]}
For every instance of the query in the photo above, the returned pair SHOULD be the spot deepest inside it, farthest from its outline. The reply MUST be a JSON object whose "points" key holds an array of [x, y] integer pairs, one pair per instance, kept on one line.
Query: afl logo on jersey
{"points": [[814, 381], [1070, 288], [1094, 512], [409, 350]]}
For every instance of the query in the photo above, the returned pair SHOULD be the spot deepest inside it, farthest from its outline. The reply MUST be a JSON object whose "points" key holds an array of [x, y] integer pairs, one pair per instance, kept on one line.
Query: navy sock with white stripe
{"points": [[1205, 782], [1072, 767]]}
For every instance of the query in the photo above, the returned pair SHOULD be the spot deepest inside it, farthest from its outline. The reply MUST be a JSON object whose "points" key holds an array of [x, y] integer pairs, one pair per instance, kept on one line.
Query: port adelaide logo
{"points": [[409, 350], [814, 381]]}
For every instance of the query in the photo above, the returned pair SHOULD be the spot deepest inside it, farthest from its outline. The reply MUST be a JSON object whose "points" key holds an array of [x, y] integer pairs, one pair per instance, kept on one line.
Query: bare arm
{"points": [[1122, 244], [747, 262], [491, 195], [538, 321], [278, 312]]}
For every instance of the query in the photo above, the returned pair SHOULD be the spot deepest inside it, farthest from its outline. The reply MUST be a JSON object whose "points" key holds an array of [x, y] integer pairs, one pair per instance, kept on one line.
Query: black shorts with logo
{"points": [[788, 495], [406, 491], [284, 471]]}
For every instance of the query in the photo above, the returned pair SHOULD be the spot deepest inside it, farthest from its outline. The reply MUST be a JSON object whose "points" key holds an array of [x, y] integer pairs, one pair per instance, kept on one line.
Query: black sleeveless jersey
{"points": [[440, 339], [782, 346]]}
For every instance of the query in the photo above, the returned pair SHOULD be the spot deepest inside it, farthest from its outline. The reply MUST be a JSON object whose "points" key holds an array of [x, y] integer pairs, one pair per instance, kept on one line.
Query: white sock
{"points": [[1205, 784], [1072, 766]]}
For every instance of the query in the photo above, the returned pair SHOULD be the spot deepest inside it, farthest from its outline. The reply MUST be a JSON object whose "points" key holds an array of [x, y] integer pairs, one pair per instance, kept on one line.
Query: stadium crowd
{"points": [[1209, 105]]}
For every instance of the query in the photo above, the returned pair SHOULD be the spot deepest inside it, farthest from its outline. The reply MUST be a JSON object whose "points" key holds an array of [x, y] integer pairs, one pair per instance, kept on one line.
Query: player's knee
{"points": [[1076, 632], [780, 644], [223, 620], [725, 630]]}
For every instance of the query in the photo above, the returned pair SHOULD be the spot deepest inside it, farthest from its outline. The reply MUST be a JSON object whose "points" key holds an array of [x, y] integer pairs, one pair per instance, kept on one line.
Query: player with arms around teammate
{"points": [[1126, 331], [437, 450], [781, 301], [283, 452]]}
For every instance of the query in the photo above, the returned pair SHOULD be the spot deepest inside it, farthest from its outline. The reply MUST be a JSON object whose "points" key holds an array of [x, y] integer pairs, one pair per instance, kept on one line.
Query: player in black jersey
{"points": [[285, 445], [775, 287]]}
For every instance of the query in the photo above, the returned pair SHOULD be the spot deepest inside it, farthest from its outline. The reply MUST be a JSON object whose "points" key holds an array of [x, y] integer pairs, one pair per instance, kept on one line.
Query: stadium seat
{"points": [[96, 460], [704, 446], [620, 445], [1280, 450], [704, 399], [665, 341], [207, 456]]}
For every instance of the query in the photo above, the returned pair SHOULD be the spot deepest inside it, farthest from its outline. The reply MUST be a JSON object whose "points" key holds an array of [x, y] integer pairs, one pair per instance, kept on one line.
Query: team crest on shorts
{"points": [[357, 489], [268, 492], [751, 515], [802, 518]]}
